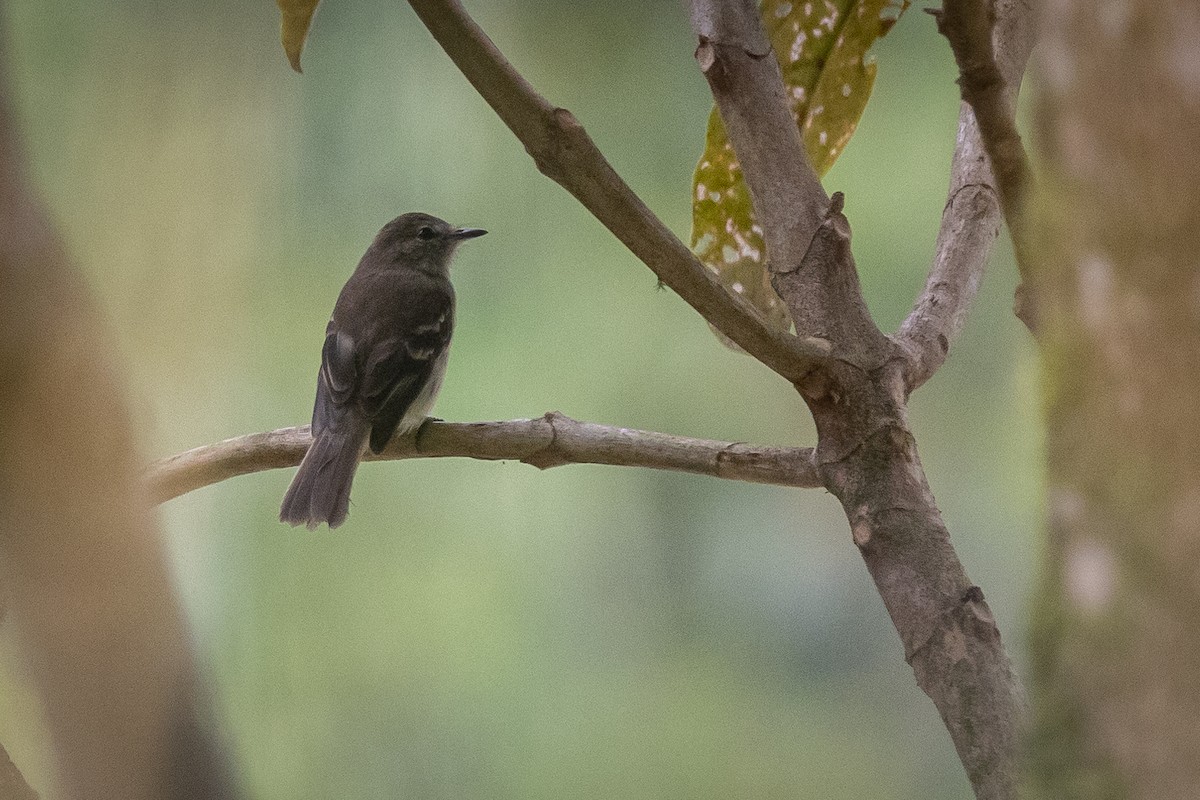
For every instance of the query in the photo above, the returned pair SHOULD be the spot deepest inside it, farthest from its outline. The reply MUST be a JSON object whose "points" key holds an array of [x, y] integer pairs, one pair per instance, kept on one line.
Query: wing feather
{"points": [[380, 350]]}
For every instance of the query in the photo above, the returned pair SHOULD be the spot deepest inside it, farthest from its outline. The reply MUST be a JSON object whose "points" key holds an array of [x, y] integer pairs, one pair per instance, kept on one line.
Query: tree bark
{"points": [[1116, 645], [868, 458]]}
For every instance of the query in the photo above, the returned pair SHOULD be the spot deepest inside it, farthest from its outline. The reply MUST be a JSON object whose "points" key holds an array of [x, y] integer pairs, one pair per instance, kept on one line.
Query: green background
{"points": [[483, 630]]}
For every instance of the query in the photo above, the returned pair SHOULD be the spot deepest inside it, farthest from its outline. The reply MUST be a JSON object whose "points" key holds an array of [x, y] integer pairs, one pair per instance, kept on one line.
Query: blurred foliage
{"points": [[295, 19], [822, 51], [488, 630]]}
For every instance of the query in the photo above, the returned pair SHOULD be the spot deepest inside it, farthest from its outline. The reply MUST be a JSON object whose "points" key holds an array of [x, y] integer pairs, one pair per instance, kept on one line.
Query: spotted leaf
{"points": [[822, 51]]}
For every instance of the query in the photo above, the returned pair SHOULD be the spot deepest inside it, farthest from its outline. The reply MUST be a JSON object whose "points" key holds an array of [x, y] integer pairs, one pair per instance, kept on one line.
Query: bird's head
{"points": [[421, 241]]}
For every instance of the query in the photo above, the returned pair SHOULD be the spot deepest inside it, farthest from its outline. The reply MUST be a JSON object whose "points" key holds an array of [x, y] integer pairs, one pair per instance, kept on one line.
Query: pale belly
{"points": [[423, 404]]}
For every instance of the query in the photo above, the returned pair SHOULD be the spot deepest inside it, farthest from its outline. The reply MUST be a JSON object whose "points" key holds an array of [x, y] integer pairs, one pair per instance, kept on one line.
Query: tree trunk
{"points": [[1116, 664]]}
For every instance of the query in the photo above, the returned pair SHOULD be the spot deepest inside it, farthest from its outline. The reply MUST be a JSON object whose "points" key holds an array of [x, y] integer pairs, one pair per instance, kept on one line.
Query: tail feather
{"points": [[320, 492]]}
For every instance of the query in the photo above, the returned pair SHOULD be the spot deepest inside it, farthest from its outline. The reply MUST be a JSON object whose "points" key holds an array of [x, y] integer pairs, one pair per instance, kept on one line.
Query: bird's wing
{"points": [[400, 368], [337, 379], [380, 350]]}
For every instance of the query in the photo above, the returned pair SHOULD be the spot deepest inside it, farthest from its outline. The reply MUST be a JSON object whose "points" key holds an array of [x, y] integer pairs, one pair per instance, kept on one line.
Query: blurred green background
{"points": [[483, 630]]}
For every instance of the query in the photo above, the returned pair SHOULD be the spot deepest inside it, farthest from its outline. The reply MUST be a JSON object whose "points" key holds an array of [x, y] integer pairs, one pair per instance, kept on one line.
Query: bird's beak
{"points": [[467, 233]]}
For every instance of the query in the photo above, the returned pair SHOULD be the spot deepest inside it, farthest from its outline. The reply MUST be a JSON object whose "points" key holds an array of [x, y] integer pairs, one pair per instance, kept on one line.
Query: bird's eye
{"points": [[426, 233]]}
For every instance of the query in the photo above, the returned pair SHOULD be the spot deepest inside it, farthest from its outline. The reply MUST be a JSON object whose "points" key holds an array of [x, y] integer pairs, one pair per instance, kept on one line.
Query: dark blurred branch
{"points": [[13, 785], [89, 588], [563, 151], [971, 218], [866, 455], [548, 441], [989, 75]]}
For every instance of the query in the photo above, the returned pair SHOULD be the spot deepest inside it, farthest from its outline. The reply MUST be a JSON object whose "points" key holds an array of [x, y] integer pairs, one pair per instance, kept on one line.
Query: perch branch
{"points": [[970, 220], [989, 76], [563, 151], [548, 441]]}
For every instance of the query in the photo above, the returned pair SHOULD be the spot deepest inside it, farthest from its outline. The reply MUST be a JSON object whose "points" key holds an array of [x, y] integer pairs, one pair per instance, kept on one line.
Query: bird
{"points": [[382, 363]]}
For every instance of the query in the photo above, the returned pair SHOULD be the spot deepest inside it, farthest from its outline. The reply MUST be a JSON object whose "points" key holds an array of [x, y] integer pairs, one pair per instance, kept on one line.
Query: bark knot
{"points": [[548, 456], [560, 134], [860, 529], [706, 54]]}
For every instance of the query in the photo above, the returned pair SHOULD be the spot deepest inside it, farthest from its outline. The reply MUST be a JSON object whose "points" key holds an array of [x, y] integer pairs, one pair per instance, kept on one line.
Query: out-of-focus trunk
{"points": [[1116, 644], [83, 569]]}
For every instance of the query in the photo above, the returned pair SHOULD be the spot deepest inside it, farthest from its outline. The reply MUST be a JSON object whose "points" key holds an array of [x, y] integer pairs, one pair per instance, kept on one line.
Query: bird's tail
{"points": [[320, 492]]}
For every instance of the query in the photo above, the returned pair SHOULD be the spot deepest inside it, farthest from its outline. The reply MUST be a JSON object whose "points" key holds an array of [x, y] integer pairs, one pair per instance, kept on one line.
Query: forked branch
{"points": [[990, 90], [866, 455], [971, 219], [967, 25]]}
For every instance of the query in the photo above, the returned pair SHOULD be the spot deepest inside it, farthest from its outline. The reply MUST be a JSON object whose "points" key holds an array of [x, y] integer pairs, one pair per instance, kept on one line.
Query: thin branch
{"points": [[548, 441], [564, 152], [970, 223], [971, 219], [989, 88]]}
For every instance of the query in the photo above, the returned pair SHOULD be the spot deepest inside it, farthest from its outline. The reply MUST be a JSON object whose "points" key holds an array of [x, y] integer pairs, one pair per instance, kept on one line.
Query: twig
{"points": [[967, 25], [548, 441], [989, 88], [563, 151]]}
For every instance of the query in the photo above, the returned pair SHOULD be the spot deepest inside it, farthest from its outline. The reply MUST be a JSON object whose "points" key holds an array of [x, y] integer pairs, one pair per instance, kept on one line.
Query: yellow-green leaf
{"points": [[297, 17], [844, 84], [822, 51]]}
